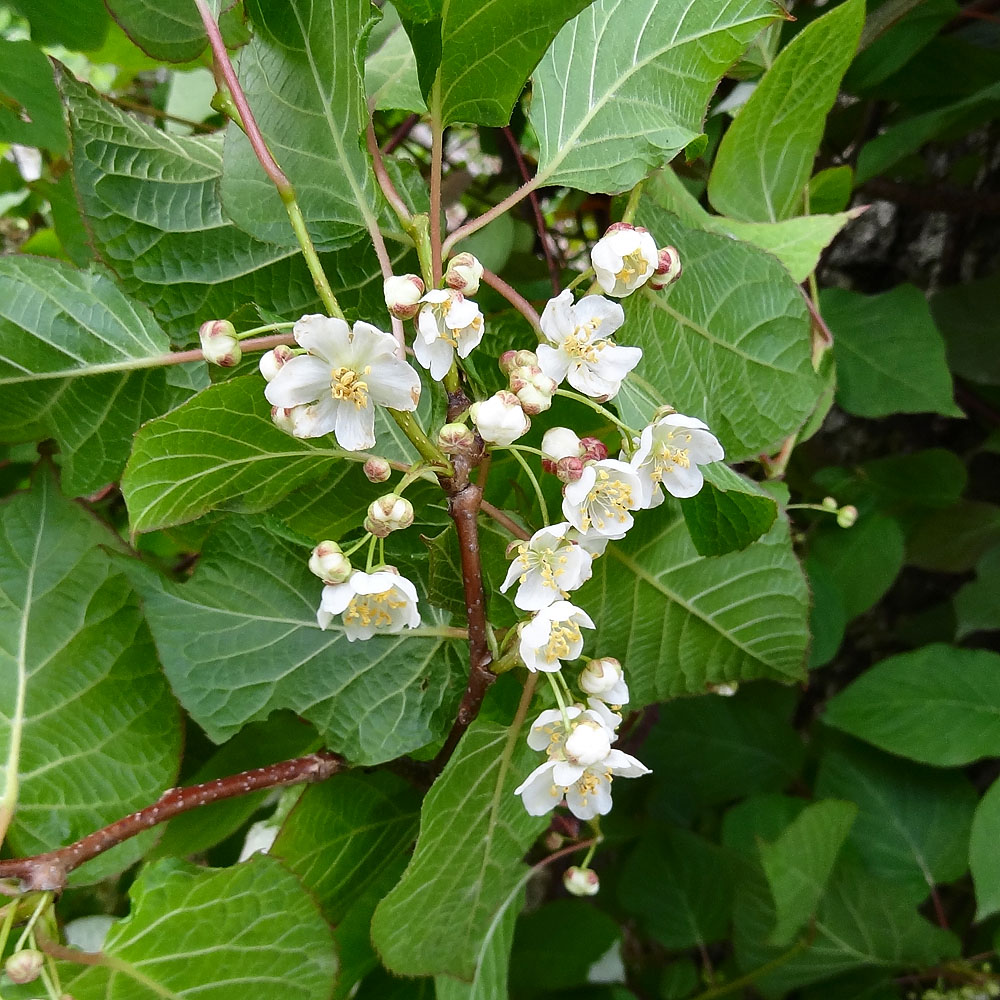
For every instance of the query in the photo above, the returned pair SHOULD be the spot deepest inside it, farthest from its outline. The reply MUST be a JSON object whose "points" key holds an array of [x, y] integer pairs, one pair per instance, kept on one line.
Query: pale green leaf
{"points": [[240, 639], [984, 858], [624, 87], [221, 934], [166, 29], [31, 113], [88, 728], [766, 156], [938, 705], [467, 867], [391, 69], [798, 864], [728, 513]]}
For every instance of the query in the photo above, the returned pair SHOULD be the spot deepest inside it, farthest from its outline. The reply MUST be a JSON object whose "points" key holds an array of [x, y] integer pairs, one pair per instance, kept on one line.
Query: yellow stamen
{"points": [[373, 610], [346, 383]]}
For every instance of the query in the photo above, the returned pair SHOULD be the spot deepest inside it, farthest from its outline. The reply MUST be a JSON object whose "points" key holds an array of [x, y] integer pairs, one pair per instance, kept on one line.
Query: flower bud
{"points": [[455, 439], [533, 388], [464, 273], [219, 345], [559, 442], [828, 503], [284, 419], [568, 469], [24, 966], [847, 516], [510, 360], [587, 744], [668, 268], [388, 514], [600, 676], [500, 419], [663, 411], [581, 881], [377, 470], [329, 563], [554, 840], [271, 361], [402, 295], [594, 449]]}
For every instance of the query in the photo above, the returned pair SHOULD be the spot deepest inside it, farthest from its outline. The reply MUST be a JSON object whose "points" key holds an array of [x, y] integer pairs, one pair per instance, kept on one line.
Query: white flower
{"points": [[669, 453], [553, 635], [604, 679], [547, 567], [447, 322], [371, 603], [343, 374], [582, 354], [402, 294], [586, 788], [500, 419], [624, 259], [598, 503]]}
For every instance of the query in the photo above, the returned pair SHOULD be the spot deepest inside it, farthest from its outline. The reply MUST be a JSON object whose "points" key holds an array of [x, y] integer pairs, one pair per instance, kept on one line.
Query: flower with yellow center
{"points": [[382, 602], [546, 568], [344, 374], [600, 501], [553, 635], [669, 453], [624, 259], [447, 322], [578, 348]]}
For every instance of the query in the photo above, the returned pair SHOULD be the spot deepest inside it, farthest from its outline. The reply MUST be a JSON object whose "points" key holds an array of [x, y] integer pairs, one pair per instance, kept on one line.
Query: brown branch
{"points": [[48, 871], [504, 520], [543, 233], [518, 301], [399, 136]]}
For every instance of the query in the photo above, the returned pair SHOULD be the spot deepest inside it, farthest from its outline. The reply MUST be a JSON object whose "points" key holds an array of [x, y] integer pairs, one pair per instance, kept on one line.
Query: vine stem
{"points": [[518, 301], [437, 164], [504, 520], [736, 984], [515, 453], [48, 872], [474, 225]]}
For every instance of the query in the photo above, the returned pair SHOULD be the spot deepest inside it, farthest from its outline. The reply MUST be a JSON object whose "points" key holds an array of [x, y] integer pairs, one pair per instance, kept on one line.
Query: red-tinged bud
{"points": [[594, 450], [847, 516], [456, 439], [271, 361], [581, 881], [329, 563], [388, 514], [464, 273], [377, 470], [569, 469], [219, 345], [506, 361], [616, 227], [668, 268], [24, 966], [402, 295]]}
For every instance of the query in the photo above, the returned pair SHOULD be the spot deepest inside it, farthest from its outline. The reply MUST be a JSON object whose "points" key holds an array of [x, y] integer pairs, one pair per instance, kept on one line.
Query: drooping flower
{"points": [[546, 568], [581, 881], [402, 294], [604, 679], [578, 348], [599, 502], [382, 602], [387, 514], [669, 453], [219, 343], [337, 384], [500, 419], [624, 258], [553, 635], [447, 322]]}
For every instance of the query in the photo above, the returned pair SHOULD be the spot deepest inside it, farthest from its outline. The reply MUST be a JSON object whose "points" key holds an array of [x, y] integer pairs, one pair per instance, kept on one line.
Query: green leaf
{"points": [[77, 363], [938, 705], [302, 77], [624, 88], [730, 343], [467, 867], [799, 863], [80, 25], [890, 356], [710, 620], [31, 113], [955, 539], [391, 68], [681, 886], [829, 190], [983, 856], [967, 316], [827, 620], [977, 604], [729, 513], [165, 29], [778, 130], [240, 639], [913, 821], [217, 933], [88, 728], [151, 201], [488, 50]]}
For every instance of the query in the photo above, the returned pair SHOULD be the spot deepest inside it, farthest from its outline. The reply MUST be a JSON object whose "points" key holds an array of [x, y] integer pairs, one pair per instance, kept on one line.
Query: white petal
{"points": [[427, 327], [553, 363], [590, 804], [462, 313], [683, 482], [537, 791], [435, 356], [326, 337], [336, 597], [610, 315], [514, 573], [355, 428], [591, 382], [557, 320], [316, 420], [300, 380], [394, 383], [536, 593], [625, 765], [565, 773]]}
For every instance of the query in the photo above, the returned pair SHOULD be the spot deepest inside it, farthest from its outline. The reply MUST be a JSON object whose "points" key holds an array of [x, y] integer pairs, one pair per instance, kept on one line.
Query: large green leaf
{"points": [[984, 859], [30, 113], [938, 705], [304, 81], [88, 727], [766, 156], [80, 25], [222, 934], [391, 69], [467, 867], [890, 356], [729, 343], [77, 363], [729, 513], [151, 201], [977, 604], [166, 29], [681, 622], [624, 87], [240, 640]]}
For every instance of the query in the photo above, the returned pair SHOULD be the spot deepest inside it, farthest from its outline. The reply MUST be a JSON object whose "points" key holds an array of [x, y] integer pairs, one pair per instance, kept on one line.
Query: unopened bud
{"points": [[828, 503], [847, 516], [271, 361], [581, 881], [510, 360], [219, 345], [533, 388], [500, 419], [388, 514], [377, 470], [402, 295], [329, 563], [553, 840], [668, 268], [594, 449], [559, 442], [455, 439], [284, 419], [569, 469], [601, 676], [464, 273], [24, 966]]}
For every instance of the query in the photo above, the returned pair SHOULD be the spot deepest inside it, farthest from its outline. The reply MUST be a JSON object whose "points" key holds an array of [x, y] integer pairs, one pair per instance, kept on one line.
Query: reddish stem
{"points": [[399, 136], [518, 301]]}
